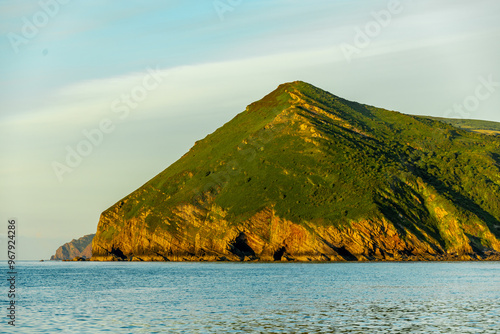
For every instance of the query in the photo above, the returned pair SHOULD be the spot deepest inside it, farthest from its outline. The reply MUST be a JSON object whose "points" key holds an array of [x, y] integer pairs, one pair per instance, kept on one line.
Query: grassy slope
{"points": [[362, 163], [486, 127]]}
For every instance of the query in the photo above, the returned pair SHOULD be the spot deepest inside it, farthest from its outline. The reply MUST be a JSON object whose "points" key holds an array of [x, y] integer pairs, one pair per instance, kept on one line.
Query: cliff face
{"points": [[76, 248], [305, 175]]}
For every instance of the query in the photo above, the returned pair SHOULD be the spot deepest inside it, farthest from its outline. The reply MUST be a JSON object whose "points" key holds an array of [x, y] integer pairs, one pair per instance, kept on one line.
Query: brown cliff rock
{"points": [[77, 248]]}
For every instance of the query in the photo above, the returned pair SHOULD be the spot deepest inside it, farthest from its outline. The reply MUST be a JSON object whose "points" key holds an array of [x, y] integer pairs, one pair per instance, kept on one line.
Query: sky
{"points": [[97, 97]]}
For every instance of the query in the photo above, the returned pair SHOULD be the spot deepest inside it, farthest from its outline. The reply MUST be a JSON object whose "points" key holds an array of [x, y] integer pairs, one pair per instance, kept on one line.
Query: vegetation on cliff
{"points": [[305, 175]]}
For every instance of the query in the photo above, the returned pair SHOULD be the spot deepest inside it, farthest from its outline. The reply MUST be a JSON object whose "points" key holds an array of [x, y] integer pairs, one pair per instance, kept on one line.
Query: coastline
{"points": [[302, 259]]}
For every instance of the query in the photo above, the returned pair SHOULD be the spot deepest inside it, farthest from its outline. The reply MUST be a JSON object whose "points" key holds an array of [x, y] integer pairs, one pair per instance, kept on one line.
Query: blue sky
{"points": [[83, 56]]}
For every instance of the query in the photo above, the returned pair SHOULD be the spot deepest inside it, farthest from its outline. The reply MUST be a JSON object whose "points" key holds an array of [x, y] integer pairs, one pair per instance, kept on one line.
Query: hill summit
{"points": [[304, 175]]}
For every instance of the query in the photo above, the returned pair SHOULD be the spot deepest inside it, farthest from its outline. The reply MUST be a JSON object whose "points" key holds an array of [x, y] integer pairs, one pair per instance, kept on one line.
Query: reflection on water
{"points": [[88, 297]]}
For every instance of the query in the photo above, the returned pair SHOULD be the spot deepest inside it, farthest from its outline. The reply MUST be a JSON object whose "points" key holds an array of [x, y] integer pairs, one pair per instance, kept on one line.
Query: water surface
{"points": [[118, 297]]}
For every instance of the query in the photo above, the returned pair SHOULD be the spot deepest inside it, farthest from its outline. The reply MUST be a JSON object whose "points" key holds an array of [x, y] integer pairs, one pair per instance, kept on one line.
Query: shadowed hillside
{"points": [[81, 247]]}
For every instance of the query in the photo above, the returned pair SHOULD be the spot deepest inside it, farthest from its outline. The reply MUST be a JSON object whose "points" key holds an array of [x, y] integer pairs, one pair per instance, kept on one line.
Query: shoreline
{"points": [[462, 258]]}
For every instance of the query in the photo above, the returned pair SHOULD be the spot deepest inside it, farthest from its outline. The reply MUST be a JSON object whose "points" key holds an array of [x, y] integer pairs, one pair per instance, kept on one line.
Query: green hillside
{"points": [[486, 127], [305, 175]]}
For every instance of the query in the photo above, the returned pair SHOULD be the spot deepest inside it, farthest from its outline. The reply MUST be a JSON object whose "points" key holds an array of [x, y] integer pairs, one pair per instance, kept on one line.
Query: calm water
{"points": [[88, 297]]}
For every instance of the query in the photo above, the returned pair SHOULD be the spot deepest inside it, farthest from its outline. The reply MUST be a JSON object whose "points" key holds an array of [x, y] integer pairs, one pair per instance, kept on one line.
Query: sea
{"points": [[222, 297]]}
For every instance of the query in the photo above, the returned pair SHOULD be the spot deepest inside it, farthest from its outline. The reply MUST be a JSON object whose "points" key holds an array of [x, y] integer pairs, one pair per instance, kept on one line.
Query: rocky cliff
{"points": [[303, 175], [81, 248]]}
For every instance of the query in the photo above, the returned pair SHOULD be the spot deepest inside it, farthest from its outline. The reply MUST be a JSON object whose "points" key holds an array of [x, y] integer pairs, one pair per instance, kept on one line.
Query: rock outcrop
{"points": [[77, 248], [303, 175]]}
